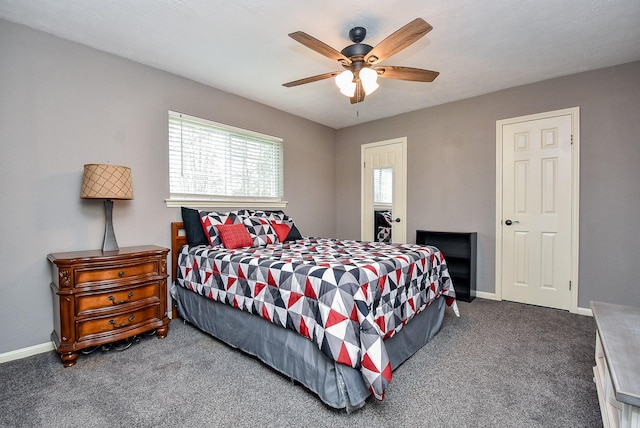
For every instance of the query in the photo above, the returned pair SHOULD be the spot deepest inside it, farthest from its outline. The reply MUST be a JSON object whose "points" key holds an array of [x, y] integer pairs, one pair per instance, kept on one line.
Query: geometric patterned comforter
{"points": [[345, 296]]}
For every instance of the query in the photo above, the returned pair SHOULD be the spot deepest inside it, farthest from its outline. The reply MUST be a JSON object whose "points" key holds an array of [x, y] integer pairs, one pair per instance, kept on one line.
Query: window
{"points": [[383, 186], [218, 165]]}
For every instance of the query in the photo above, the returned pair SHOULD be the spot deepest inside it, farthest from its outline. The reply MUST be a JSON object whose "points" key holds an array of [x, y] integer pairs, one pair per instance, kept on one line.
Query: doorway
{"points": [[383, 190], [537, 209]]}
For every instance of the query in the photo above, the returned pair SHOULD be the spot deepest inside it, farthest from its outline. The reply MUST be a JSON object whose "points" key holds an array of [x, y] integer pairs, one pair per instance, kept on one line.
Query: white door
{"points": [[536, 221], [383, 186]]}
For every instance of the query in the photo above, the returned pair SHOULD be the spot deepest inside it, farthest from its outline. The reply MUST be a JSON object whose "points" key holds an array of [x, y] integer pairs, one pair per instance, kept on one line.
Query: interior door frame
{"points": [[575, 195], [403, 176]]}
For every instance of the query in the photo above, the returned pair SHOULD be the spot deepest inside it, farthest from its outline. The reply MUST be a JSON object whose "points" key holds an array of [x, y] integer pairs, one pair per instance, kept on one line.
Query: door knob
{"points": [[397, 220], [509, 222]]}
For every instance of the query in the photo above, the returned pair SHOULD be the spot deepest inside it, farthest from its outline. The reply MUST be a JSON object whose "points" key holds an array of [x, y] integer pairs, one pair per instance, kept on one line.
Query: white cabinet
{"points": [[617, 369]]}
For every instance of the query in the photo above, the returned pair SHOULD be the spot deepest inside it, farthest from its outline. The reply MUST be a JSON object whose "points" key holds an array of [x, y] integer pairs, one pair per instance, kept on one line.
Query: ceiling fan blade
{"points": [[311, 79], [320, 47], [399, 40], [358, 96], [406, 73]]}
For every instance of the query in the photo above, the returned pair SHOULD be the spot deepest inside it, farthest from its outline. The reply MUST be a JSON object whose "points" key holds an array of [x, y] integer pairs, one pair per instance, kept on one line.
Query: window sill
{"points": [[236, 203]]}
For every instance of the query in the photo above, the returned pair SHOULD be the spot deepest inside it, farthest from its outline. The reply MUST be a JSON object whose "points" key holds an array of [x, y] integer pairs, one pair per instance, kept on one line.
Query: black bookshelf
{"points": [[459, 250]]}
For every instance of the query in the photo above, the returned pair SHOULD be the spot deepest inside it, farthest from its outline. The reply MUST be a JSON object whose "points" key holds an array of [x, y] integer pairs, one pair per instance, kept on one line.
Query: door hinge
{"points": [[572, 139], [569, 285]]}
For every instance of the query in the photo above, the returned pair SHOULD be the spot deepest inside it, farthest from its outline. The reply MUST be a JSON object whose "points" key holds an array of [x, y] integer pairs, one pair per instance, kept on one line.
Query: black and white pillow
{"points": [[273, 216], [278, 218], [210, 219], [261, 231], [244, 213]]}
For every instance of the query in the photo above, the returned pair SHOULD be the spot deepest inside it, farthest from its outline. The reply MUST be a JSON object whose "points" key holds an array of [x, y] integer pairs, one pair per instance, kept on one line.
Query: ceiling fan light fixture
{"points": [[368, 78], [346, 84]]}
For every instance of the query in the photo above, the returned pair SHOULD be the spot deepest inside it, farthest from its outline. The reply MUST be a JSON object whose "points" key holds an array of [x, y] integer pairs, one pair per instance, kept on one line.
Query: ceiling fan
{"points": [[360, 60]]}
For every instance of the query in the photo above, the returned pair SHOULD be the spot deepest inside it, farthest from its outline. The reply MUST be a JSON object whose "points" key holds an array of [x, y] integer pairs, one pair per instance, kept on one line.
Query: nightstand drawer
{"points": [[90, 302], [119, 323], [124, 272]]}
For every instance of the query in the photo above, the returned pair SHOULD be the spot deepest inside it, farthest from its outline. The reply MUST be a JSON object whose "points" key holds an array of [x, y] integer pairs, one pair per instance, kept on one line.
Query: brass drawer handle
{"points": [[121, 274], [120, 302], [124, 324]]}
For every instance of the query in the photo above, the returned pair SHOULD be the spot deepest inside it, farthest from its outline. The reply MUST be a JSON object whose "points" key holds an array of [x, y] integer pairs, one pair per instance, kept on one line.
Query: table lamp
{"points": [[108, 182]]}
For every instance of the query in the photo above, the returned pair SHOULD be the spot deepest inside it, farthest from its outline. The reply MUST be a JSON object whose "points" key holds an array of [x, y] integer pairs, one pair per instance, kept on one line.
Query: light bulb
{"points": [[346, 84], [368, 78]]}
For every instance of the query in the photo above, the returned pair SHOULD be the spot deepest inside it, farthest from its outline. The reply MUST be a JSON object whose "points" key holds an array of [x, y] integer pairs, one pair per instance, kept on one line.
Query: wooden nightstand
{"points": [[101, 297]]}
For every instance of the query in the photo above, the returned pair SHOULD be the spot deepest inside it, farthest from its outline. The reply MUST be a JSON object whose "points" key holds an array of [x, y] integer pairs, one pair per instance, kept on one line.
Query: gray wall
{"points": [[63, 105], [452, 161]]}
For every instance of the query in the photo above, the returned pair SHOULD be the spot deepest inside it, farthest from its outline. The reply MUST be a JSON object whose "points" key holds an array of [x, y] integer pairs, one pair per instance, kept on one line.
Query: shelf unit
{"points": [[459, 249]]}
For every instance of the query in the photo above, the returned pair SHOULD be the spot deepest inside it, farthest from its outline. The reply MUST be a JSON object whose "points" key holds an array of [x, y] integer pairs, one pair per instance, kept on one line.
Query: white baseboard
{"points": [[584, 311], [493, 296], [486, 295], [26, 352]]}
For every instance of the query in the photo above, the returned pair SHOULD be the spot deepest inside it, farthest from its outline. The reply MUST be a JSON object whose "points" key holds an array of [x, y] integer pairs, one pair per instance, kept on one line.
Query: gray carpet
{"points": [[500, 364]]}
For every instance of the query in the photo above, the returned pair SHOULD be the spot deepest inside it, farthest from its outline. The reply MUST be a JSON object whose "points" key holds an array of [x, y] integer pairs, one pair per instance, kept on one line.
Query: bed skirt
{"points": [[337, 385]]}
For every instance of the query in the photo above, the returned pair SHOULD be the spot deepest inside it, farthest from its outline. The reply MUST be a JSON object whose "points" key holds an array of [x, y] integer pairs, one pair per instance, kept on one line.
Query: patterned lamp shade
{"points": [[101, 181]]}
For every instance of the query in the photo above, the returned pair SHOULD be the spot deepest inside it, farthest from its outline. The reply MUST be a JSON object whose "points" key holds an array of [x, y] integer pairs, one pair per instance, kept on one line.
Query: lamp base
{"points": [[109, 243]]}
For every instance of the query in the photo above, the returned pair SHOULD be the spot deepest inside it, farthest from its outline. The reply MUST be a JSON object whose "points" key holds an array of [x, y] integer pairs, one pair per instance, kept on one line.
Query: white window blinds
{"points": [[211, 161], [383, 186]]}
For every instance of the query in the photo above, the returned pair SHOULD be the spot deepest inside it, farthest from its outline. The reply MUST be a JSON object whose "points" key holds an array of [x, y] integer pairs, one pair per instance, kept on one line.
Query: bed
{"points": [[335, 316]]}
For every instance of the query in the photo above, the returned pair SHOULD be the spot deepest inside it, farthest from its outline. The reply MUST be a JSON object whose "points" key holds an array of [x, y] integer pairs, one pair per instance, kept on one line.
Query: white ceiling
{"points": [[242, 47]]}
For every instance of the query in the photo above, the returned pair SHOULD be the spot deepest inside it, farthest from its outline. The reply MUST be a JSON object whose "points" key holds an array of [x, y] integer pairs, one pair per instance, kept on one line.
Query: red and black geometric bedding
{"points": [[345, 296]]}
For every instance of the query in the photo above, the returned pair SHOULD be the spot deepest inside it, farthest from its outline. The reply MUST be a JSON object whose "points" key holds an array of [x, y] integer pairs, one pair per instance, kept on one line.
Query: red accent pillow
{"points": [[234, 235], [282, 230]]}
